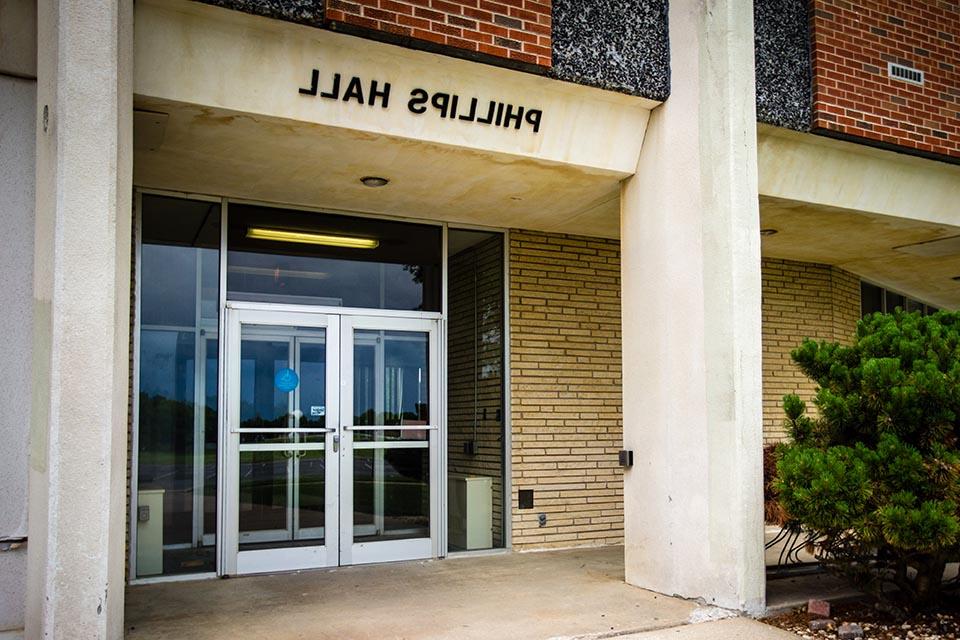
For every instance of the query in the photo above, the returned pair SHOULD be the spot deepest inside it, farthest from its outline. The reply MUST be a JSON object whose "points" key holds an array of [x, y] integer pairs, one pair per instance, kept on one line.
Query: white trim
{"points": [[135, 392], [174, 577], [287, 558], [392, 550], [506, 499], [222, 423], [388, 550], [335, 311]]}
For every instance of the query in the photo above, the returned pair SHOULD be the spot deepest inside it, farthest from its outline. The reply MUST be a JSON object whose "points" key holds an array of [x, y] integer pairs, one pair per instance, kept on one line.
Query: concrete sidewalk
{"points": [[577, 594], [515, 596], [732, 629]]}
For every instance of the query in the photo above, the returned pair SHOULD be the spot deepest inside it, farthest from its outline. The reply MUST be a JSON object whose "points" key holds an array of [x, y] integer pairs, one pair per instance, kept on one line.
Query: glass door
{"points": [[281, 501], [389, 503], [333, 440]]}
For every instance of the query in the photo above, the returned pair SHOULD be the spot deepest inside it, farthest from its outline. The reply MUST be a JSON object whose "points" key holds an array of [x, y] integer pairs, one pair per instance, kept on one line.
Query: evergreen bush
{"points": [[876, 474]]}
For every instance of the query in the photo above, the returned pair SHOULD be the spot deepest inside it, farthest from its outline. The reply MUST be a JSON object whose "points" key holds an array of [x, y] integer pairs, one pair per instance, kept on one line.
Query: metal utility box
{"points": [[149, 532], [471, 511]]}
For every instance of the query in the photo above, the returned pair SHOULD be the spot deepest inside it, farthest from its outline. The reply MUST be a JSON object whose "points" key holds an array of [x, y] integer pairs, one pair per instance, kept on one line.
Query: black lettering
{"points": [[473, 111], [440, 101], [383, 95], [314, 81], [354, 91], [499, 113], [516, 117], [335, 94], [533, 118], [490, 110], [454, 99], [418, 98]]}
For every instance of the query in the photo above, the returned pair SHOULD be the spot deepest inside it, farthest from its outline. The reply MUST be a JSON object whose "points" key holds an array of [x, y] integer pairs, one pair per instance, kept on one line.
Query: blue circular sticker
{"points": [[286, 380]]}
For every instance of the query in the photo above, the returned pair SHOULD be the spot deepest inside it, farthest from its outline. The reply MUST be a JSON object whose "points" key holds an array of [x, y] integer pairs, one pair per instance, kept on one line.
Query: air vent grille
{"points": [[905, 73]]}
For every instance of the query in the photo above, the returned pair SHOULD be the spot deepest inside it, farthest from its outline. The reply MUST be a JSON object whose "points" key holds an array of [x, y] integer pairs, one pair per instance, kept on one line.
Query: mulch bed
{"points": [[944, 624]]}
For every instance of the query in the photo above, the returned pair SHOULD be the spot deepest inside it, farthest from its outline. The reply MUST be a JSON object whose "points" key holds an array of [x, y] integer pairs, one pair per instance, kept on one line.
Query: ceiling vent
{"points": [[905, 73]]}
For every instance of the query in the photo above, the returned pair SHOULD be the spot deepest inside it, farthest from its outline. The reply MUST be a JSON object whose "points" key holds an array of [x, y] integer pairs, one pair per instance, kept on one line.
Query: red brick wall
{"points": [[516, 30], [853, 40]]}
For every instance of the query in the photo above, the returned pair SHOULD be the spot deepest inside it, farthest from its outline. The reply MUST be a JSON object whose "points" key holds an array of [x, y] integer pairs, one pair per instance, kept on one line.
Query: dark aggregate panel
{"points": [[302, 11], [783, 63], [613, 44]]}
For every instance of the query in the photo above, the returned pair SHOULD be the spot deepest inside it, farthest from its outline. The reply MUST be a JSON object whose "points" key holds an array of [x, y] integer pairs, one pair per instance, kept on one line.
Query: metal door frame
{"points": [[390, 550], [231, 560]]}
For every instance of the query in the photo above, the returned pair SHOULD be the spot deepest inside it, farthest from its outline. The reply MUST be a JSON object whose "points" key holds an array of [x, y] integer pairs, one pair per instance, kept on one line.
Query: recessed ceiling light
{"points": [[374, 181], [768, 232]]}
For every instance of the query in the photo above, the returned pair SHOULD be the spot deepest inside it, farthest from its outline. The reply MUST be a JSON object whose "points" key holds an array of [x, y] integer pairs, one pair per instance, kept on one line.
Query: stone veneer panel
{"points": [[565, 381], [782, 52], [621, 46], [302, 11]]}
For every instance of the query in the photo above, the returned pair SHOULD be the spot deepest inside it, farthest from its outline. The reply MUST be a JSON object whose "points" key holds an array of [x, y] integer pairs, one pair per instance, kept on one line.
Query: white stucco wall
{"points": [[690, 263], [17, 99]]}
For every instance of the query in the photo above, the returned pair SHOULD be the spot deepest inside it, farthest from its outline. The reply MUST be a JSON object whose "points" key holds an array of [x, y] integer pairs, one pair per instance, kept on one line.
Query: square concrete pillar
{"points": [[692, 411], [81, 310]]}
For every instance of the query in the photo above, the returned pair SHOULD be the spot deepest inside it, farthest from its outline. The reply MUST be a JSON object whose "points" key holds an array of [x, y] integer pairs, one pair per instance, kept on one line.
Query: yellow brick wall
{"points": [[565, 379], [800, 300]]}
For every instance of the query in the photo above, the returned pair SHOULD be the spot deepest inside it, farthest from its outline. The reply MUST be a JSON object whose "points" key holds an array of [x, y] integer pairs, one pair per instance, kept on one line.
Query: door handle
{"points": [[336, 443]]}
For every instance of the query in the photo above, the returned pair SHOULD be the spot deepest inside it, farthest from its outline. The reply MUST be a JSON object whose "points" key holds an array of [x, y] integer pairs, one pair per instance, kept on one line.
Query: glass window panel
{"points": [[391, 383], [475, 397], [178, 394], [400, 269], [282, 493], [871, 298], [895, 301], [391, 494]]}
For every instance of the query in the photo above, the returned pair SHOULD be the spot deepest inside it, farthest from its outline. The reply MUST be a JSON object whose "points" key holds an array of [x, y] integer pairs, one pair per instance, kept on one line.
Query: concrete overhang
{"points": [[221, 111], [862, 209]]}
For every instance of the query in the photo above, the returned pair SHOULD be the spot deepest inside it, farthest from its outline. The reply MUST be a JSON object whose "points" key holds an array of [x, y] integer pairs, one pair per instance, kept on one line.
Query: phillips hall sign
{"points": [[446, 105]]}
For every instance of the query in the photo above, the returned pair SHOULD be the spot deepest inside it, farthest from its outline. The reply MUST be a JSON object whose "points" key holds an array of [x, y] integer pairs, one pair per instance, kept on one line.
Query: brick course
{"points": [[517, 30], [852, 93], [565, 381], [800, 300]]}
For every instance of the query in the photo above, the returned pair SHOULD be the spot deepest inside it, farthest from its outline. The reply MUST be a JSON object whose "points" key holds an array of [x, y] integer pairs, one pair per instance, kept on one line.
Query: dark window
{"points": [[871, 298], [397, 266]]}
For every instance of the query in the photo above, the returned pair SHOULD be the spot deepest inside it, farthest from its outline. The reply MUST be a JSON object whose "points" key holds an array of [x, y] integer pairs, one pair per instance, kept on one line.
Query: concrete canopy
{"points": [[241, 155], [867, 244], [253, 108]]}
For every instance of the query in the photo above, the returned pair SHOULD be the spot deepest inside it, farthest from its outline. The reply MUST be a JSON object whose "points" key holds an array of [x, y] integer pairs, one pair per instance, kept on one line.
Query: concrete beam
{"points": [[81, 312], [845, 175], [691, 323]]}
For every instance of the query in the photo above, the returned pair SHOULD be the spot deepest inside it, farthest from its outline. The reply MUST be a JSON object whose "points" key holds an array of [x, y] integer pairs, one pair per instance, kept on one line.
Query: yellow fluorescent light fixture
{"points": [[302, 237]]}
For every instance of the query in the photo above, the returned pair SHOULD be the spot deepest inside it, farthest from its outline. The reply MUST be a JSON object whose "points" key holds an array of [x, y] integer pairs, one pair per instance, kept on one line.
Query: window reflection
{"points": [[403, 270], [177, 416]]}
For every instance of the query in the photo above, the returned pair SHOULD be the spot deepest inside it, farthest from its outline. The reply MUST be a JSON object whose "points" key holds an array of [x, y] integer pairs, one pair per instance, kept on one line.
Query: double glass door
{"points": [[332, 432]]}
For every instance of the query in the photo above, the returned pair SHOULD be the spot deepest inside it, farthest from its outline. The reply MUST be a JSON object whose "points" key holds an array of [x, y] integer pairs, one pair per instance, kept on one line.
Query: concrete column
{"points": [[81, 305], [691, 322]]}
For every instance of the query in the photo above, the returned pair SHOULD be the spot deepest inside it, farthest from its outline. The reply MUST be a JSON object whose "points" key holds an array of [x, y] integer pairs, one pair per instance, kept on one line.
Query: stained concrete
{"points": [[734, 629], [518, 596]]}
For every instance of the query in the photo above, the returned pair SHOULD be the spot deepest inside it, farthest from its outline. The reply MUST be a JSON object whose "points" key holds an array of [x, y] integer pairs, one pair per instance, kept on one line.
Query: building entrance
{"points": [[332, 439]]}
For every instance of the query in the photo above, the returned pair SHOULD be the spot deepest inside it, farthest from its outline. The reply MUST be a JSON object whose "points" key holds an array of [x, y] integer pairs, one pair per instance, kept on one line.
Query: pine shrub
{"points": [[875, 473]]}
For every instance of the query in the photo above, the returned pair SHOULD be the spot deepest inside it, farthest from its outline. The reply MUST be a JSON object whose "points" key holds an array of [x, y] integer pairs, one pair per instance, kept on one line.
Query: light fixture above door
{"points": [[303, 237]]}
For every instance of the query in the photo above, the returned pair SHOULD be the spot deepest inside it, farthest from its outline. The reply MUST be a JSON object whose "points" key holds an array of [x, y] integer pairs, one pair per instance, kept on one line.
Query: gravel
{"points": [[942, 625]]}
